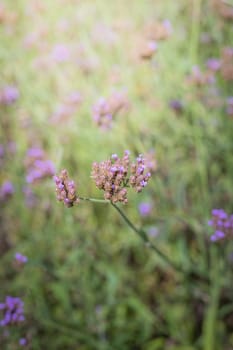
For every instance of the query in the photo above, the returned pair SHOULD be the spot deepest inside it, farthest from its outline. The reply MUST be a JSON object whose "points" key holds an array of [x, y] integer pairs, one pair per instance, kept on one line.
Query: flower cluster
{"points": [[9, 95], [139, 178], [115, 174], [106, 109], [222, 223], [13, 309], [38, 167], [66, 189]]}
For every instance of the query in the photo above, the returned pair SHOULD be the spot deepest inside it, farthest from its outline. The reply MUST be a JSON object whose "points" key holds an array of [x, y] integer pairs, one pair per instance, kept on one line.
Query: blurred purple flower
{"points": [[13, 309], [21, 259], [145, 209], [213, 64], [35, 152], [222, 223], [40, 170], [9, 95], [176, 105], [6, 190], [22, 341], [61, 53]]}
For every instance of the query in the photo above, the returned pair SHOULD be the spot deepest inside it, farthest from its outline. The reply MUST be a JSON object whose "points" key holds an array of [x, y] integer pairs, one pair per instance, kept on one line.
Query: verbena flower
{"points": [[6, 190], [38, 167], [22, 341], [213, 64], [114, 175], [106, 109], [145, 209], [13, 310], [139, 177], [65, 189], [222, 223], [176, 106], [9, 95], [21, 259], [61, 53]]}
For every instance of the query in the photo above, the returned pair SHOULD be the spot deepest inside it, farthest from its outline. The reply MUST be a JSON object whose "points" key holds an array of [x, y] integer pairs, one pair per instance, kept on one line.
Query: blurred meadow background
{"points": [[80, 81]]}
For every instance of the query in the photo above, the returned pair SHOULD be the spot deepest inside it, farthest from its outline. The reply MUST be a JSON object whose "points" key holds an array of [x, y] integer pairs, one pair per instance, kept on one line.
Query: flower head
{"points": [[114, 175], [145, 209], [9, 95], [106, 109], [66, 189], [6, 190], [21, 259], [222, 224], [38, 167], [13, 309]]}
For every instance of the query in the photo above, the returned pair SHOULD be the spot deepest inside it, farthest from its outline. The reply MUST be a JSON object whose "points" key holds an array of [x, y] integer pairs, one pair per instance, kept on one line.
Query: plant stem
{"points": [[94, 200], [145, 238], [142, 234]]}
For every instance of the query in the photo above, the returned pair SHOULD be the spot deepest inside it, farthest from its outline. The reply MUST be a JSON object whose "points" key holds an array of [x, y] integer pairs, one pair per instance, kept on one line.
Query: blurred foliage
{"points": [[89, 282]]}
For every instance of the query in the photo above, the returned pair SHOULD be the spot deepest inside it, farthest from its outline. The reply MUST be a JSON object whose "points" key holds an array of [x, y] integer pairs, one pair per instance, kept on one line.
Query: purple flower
{"points": [[65, 189], [6, 190], [213, 64], [38, 168], [145, 209], [13, 309], [35, 152], [222, 223], [9, 95], [61, 53], [176, 105], [21, 259], [22, 341]]}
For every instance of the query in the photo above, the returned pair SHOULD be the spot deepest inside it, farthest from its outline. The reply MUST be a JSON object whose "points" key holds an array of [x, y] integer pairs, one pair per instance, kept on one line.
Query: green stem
{"points": [[94, 200], [145, 238], [195, 29], [210, 321], [142, 234]]}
